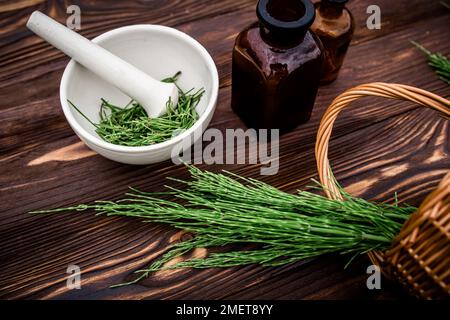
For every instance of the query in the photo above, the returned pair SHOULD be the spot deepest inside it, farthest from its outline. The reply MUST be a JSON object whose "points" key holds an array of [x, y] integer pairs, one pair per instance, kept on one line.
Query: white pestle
{"points": [[150, 93]]}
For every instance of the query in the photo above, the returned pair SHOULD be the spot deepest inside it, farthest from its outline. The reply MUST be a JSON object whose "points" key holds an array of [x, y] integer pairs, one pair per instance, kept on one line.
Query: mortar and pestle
{"points": [[124, 63]]}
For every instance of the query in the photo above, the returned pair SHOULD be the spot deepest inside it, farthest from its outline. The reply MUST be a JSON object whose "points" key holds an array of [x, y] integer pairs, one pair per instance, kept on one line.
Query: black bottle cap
{"points": [[293, 16]]}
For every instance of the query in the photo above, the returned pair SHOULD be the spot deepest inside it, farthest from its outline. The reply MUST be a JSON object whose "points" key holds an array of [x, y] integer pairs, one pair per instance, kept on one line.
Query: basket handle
{"points": [[379, 89]]}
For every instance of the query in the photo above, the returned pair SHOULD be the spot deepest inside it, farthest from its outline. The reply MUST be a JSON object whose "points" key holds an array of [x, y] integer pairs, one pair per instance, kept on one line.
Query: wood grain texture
{"points": [[378, 147]]}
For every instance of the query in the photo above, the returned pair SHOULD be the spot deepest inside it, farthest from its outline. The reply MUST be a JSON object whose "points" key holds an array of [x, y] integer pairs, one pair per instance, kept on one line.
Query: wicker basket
{"points": [[419, 257]]}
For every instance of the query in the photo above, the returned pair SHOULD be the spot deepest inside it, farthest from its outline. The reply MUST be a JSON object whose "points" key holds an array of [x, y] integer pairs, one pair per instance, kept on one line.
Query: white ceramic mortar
{"points": [[159, 51]]}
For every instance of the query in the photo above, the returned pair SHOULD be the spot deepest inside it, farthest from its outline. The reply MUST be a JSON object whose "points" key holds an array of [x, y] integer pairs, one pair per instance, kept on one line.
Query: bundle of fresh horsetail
{"points": [[223, 208]]}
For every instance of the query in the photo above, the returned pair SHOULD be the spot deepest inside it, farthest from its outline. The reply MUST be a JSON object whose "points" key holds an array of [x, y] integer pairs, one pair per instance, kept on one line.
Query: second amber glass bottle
{"points": [[276, 66], [334, 26]]}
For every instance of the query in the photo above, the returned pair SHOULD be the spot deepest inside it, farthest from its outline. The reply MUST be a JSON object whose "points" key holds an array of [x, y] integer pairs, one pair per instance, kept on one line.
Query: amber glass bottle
{"points": [[276, 66], [334, 26]]}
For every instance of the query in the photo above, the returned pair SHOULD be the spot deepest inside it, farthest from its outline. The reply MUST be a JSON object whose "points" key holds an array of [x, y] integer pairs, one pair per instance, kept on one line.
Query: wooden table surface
{"points": [[378, 147]]}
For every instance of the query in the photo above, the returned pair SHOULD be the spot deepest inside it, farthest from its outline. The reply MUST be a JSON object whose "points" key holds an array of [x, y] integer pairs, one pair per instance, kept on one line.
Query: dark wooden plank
{"points": [[378, 147], [20, 51]]}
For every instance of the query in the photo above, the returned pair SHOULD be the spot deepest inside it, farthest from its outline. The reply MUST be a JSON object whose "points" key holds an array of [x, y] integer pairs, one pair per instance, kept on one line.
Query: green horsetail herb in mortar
{"points": [[131, 126], [224, 209]]}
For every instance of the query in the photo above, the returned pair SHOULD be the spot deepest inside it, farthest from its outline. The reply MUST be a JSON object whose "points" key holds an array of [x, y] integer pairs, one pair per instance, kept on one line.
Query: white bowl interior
{"points": [[158, 51]]}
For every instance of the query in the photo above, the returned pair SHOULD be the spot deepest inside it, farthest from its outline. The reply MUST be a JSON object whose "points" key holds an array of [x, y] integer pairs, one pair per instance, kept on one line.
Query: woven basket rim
{"points": [[385, 90]]}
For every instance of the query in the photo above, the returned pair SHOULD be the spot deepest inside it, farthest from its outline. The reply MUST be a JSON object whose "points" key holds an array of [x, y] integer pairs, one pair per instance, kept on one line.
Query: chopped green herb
{"points": [[131, 126]]}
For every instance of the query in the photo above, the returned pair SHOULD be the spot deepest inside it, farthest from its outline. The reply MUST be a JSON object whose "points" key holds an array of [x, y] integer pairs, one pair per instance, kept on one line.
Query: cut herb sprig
{"points": [[224, 209], [131, 126], [438, 62]]}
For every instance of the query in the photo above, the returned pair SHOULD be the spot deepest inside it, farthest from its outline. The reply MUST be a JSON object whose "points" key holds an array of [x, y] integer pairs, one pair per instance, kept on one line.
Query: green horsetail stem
{"points": [[438, 62]]}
